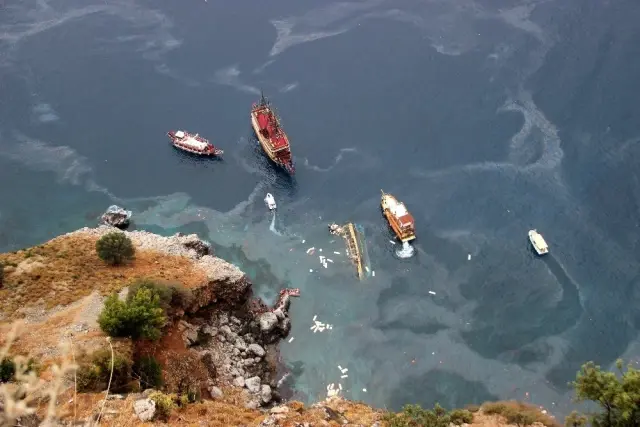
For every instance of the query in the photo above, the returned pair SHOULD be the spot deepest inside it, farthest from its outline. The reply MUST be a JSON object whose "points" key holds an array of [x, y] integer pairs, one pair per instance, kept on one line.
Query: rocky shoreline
{"points": [[235, 334]]}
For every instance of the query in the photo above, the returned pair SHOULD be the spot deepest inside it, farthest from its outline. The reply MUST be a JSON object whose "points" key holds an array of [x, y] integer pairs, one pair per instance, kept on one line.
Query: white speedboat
{"points": [[538, 242], [270, 201]]}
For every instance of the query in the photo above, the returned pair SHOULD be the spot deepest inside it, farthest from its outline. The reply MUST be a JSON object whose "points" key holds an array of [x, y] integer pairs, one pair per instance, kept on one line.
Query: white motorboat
{"points": [[270, 201], [538, 242]]}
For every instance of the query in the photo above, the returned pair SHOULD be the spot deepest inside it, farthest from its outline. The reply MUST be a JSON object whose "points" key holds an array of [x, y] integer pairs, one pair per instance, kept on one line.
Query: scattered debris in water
{"points": [[364, 389], [310, 250], [291, 339], [469, 257], [344, 376], [336, 252], [432, 293]]}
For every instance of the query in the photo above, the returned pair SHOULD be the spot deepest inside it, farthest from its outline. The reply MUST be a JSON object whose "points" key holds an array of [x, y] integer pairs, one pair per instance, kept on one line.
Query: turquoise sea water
{"points": [[487, 118]]}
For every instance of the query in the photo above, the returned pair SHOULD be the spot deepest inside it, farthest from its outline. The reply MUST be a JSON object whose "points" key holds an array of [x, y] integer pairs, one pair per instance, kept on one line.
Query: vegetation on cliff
{"points": [[115, 248], [147, 352]]}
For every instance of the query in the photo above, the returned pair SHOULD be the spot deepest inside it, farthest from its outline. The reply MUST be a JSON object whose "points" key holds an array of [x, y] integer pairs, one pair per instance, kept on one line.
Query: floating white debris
{"points": [[432, 293], [324, 264], [336, 252], [291, 339], [330, 260], [366, 268], [345, 370], [373, 273], [311, 249], [321, 258], [469, 257], [320, 249], [303, 241], [311, 270], [364, 389], [392, 242], [340, 367], [340, 386], [315, 317], [344, 376]]}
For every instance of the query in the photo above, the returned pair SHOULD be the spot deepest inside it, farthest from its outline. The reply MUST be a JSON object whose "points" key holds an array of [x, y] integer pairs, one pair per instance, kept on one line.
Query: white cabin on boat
{"points": [[270, 201], [538, 242]]}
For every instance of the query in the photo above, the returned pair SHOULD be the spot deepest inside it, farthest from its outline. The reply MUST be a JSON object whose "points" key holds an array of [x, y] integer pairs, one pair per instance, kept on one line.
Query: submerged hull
{"points": [[402, 233]]}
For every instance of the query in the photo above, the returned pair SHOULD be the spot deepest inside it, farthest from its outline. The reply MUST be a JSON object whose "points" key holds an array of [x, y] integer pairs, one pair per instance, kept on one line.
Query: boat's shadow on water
{"points": [[185, 156], [273, 174]]}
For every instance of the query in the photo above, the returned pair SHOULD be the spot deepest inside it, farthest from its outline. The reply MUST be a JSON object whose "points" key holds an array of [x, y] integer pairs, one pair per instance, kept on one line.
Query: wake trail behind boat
{"points": [[406, 251], [272, 226]]}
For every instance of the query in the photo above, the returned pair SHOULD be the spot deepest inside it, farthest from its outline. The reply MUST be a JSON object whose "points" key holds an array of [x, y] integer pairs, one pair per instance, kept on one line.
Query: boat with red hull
{"points": [[272, 138], [193, 143]]}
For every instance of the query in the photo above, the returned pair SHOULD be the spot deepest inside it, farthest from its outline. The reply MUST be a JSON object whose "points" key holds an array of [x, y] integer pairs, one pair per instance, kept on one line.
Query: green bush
{"points": [[164, 403], [93, 374], [115, 248], [148, 371], [616, 393], [140, 316], [461, 416], [170, 294], [415, 416], [7, 370]]}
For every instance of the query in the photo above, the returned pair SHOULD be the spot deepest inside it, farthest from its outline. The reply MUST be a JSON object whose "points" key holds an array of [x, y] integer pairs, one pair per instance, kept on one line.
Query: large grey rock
{"points": [[145, 409], [240, 344], [215, 392], [265, 393], [268, 321], [192, 241], [253, 384], [115, 216], [279, 409], [256, 349]]}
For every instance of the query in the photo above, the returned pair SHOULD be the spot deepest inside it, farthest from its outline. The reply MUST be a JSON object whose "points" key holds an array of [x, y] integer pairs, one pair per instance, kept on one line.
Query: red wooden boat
{"points": [[273, 139], [193, 143]]}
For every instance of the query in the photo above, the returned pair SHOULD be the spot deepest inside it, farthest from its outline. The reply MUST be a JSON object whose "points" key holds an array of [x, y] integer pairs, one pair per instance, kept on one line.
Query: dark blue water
{"points": [[487, 118]]}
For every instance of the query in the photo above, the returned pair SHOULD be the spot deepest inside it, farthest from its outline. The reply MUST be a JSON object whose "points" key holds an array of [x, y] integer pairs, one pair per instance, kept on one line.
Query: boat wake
{"points": [[406, 251], [272, 226]]}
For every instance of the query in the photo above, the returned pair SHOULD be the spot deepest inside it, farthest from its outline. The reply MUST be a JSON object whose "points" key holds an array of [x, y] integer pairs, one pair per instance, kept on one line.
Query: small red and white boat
{"points": [[193, 143]]}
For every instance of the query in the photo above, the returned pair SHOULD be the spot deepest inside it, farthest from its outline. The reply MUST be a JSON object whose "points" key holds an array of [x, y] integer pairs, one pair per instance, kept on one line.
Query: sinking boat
{"points": [[538, 242], [193, 143], [270, 201], [273, 139], [399, 218]]}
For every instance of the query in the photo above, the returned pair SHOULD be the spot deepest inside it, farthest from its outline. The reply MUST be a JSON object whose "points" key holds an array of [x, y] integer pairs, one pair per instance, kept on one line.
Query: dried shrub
{"points": [[148, 371], [94, 371], [184, 374]]}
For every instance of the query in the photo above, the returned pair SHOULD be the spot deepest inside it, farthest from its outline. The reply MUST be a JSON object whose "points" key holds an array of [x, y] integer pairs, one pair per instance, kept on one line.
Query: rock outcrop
{"points": [[234, 334], [115, 216]]}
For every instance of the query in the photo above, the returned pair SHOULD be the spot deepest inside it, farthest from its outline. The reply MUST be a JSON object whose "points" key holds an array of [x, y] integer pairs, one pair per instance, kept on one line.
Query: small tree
{"points": [[141, 316], [115, 248], [618, 395], [574, 419]]}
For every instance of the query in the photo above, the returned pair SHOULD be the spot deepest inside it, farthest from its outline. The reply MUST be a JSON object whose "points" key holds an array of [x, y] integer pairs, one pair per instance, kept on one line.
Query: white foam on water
{"points": [[272, 226], [406, 251]]}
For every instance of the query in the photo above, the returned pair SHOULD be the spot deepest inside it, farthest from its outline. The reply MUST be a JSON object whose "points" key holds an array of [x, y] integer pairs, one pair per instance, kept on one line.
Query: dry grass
{"points": [[506, 408], [67, 268]]}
